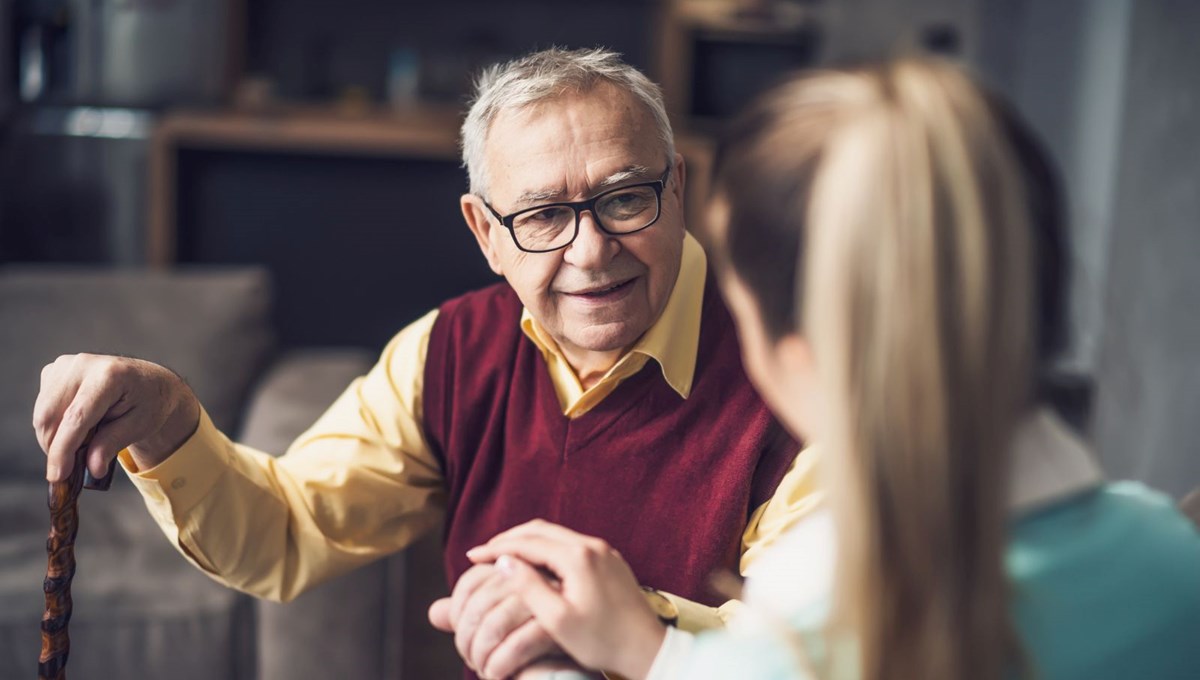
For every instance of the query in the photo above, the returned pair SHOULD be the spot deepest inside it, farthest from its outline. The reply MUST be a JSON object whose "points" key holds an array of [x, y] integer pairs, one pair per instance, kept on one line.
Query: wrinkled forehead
{"points": [[567, 146]]}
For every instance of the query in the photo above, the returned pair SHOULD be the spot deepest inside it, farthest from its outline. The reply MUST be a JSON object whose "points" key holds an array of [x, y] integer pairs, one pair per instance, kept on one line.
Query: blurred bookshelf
{"points": [[715, 55]]}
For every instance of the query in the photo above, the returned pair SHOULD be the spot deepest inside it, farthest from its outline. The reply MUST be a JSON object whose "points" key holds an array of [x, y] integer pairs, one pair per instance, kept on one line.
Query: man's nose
{"points": [[592, 248]]}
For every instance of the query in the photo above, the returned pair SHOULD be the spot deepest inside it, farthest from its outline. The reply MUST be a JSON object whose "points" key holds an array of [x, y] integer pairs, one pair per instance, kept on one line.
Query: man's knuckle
{"points": [[74, 415], [113, 370], [583, 554], [40, 418]]}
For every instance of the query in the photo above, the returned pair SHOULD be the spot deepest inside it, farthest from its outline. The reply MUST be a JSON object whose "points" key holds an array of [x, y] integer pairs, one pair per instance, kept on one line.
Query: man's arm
{"points": [[359, 484]]}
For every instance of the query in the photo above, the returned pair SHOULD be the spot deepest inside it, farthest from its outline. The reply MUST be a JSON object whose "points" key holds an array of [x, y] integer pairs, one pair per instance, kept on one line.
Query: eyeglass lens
{"points": [[622, 211]]}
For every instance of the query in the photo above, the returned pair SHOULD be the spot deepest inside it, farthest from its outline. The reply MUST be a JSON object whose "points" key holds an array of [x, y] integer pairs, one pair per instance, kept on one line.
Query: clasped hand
{"points": [[494, 631], [540, 590]]}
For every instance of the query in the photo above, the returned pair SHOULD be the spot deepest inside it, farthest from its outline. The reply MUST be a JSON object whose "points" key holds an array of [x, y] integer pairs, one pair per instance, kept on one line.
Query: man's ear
{"points": [[679, 172], [478, 220]]}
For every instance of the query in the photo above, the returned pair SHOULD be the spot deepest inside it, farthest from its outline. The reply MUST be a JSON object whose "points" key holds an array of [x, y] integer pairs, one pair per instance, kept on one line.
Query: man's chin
{"points": [[608, 337]]}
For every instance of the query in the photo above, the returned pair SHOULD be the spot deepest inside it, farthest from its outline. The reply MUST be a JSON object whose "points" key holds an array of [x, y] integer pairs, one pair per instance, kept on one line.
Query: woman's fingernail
{"points": [[52, 472], [505, 564]]}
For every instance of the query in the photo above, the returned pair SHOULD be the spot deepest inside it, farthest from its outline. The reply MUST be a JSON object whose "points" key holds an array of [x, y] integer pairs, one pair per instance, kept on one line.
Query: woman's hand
{"points": [[596, 612]]}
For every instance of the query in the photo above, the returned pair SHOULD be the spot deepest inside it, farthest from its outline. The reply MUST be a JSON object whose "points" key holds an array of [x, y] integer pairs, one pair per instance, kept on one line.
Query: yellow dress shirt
{"points": [[362, 483]]}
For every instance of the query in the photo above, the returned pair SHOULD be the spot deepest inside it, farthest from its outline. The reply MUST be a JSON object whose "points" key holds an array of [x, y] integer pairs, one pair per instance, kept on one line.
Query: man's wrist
{"points": [[179, 426]]}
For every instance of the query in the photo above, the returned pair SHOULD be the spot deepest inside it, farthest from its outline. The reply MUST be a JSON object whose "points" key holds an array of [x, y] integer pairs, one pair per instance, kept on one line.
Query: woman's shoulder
{"points": [[1114, 571], [1117, 513], [1120, 528]]}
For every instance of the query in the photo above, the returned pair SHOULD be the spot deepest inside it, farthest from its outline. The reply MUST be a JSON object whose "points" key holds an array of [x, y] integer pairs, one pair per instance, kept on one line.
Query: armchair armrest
{"points": [[334, 630]]}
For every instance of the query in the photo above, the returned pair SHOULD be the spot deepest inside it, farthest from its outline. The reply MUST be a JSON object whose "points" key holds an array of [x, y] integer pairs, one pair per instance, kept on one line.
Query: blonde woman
{"points": [[969, 534]]}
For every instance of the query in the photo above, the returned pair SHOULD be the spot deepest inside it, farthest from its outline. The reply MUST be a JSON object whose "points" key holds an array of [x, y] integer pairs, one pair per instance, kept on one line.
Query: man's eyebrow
{"points": [[627, 173], [540, 196]]}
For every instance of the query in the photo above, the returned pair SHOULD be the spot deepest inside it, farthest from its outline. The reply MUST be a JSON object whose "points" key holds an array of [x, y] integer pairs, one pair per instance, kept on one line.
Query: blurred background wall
{"points": [[1111, 85], [1147, 365], [318, 138]]}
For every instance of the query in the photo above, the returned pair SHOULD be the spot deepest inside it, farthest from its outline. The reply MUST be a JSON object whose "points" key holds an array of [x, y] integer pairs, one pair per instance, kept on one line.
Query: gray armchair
{"points": [[369, 623], [141, 611]]}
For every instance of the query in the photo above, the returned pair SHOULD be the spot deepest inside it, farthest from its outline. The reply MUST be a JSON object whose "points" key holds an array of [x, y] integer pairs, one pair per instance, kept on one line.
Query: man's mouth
{"points": [[604, 292]]}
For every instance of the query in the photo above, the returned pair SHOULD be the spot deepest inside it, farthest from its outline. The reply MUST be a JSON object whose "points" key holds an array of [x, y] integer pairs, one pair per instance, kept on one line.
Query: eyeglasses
{"points": [[618, 212]]}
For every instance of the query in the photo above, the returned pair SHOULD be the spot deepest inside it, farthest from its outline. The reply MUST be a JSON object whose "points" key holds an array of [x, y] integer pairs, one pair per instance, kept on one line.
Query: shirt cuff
{"points": [[180, 482], [672, 655]]}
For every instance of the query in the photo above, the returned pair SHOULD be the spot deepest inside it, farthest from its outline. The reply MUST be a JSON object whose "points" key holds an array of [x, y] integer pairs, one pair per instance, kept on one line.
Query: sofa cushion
{"points": [[211, 326]]}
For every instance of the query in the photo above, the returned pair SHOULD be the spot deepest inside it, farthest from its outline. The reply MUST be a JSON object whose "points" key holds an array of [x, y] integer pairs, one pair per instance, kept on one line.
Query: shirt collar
{"points": [[673, 339]]}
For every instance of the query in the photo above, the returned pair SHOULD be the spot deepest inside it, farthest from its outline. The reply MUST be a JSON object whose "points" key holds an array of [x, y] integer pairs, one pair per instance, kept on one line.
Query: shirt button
{"points": [[178, 483]]}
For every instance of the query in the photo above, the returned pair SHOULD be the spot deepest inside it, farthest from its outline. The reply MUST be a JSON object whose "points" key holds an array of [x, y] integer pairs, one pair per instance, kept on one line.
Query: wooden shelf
{"points": [[424, 132], [687, 24]]}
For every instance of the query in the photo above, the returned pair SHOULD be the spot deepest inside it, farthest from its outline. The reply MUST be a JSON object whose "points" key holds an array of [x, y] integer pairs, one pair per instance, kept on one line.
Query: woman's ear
{"points": [[797, 366], [476, 215], [795, 354]]}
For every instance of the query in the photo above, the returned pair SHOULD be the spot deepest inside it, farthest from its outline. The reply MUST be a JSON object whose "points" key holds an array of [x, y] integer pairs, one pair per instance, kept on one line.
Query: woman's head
{"points": [[766, 167], [878, 231]]}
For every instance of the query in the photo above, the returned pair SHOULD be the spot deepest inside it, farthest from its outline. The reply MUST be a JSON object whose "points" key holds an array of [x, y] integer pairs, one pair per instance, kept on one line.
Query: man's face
{"points": [[602, 292]]}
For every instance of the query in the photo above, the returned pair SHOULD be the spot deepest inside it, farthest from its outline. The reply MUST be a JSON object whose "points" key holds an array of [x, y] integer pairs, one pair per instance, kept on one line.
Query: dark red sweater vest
{"points": [[668, 482]]}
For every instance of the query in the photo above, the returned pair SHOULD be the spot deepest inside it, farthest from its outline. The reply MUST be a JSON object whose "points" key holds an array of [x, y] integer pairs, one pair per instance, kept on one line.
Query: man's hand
{"points": [[122, 403], [593, 607], [494, 631]]}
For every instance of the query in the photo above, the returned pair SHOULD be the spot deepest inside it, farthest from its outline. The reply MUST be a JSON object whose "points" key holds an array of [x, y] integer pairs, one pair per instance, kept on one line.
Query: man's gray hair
{"points": [[544, 75]]}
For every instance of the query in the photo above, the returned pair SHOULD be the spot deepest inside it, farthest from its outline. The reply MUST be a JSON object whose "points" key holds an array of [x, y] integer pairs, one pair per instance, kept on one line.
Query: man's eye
{"points": [[626, 203]]}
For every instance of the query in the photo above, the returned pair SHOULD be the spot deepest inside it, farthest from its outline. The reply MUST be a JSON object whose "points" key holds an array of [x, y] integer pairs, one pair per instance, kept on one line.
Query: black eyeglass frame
{"points": [[659, 185]]}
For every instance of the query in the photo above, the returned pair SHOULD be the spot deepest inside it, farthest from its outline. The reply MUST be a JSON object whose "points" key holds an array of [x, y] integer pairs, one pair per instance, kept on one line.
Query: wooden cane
{"points": [[60, 565]]}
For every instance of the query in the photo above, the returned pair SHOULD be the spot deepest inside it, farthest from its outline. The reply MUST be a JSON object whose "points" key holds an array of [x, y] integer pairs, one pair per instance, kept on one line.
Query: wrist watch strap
{"points": [[663, 607]]}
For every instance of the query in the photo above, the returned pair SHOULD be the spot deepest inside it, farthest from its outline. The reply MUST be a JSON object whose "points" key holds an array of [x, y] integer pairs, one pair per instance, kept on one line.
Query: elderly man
{"points": [[599, 388]]}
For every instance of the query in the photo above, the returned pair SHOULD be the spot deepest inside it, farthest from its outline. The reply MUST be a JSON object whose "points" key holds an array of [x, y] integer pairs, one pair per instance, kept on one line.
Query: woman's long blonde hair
{"points": [[901, 187]]}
